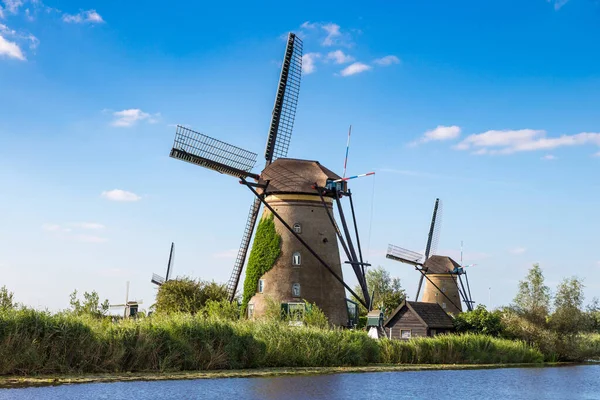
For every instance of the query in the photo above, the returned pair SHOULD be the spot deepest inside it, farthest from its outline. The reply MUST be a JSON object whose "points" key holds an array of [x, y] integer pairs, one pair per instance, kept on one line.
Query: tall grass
{"points": [[34, 342], [458, 349]]}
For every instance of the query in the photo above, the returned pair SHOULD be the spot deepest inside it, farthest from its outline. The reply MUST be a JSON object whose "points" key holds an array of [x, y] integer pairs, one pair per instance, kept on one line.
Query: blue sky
{"points": [[491, 106]]}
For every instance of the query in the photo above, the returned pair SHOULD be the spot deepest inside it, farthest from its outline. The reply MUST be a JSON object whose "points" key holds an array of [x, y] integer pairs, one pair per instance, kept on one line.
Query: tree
{"points": [[91, 304], [480, 320], [568, 317], [6, 299], [533, 297], [187, 295], [388, 291]]}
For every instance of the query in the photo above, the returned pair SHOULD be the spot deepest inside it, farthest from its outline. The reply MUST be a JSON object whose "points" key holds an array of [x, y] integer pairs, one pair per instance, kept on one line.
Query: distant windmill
{"points": [[443, 274], [130, 308], [159, 280]]}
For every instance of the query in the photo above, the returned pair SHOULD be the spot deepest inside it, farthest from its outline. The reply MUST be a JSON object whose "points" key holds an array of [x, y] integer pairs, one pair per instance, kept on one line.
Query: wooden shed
{"points": [[417, 319]]}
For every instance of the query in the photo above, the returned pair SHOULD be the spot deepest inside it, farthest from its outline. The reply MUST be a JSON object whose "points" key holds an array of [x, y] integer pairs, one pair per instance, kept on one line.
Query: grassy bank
{"points": [[33, 342], [50, 380]]}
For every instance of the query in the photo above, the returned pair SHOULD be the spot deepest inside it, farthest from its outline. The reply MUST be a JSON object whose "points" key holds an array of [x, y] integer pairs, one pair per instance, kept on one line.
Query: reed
{"points": [[35, 342], [458, 349]]}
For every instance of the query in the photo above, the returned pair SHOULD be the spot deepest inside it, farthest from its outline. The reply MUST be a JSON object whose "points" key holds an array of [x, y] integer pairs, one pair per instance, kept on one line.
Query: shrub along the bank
{"points": [[34, 342]]}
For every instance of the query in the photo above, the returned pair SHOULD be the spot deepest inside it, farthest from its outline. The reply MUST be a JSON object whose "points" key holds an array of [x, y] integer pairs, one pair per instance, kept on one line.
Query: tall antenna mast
{"points": [[347, 148]]}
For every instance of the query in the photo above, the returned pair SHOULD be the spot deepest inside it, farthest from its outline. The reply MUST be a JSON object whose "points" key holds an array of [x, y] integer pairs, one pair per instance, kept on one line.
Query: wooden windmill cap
{"points": [[440, 265], [291, 175]]}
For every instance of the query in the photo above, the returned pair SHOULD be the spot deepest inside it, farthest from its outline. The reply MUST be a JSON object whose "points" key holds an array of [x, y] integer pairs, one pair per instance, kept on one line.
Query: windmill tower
{"points": [[159, 280], [130, 308], [442, 273], [298, 196]]}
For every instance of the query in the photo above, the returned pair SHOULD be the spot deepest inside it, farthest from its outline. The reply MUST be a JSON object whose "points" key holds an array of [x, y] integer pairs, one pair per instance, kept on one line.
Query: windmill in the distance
{"points": [[159, 280], [130, 308], [443, 274], [299, 196]]}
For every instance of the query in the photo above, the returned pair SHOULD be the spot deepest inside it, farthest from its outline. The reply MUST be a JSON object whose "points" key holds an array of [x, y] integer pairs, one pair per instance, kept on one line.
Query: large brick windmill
{"points": [[444, 283], [295, 254]]}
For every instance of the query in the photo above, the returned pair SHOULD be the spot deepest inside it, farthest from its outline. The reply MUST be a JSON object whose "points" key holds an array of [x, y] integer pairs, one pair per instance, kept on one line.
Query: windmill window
{"points": [[261, 285], [297, 228], [405, 333], [250, 310], [296, 290], [296, 258], [444, 305]]}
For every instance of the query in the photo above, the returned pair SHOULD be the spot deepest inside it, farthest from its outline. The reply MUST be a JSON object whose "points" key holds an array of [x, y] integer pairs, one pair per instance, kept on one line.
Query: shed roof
{"points": [[432, 315], [440, 265], [290, 175]]}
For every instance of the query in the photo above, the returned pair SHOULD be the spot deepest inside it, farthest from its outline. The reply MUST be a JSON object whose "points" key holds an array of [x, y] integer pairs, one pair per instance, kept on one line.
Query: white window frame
{"points": [[297, 227], [444, 305], [294, 286], [294, 255], [261, 285], [250, 310], [402, 331]]}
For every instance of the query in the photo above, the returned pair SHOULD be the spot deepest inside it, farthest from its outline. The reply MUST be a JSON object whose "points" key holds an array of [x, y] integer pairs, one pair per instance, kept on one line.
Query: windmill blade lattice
{"points": [[403, 255], [286, 100], [211, 153], [437, 227], [234, 279]]}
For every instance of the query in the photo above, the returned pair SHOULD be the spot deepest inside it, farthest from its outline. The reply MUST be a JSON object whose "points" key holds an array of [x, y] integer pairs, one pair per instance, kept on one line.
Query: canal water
{"points": [[569, 383]]}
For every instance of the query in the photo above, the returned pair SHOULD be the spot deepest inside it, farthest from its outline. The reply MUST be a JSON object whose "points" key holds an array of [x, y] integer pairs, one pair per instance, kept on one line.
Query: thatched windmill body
{"points": [[298, 196], [441, 274]]}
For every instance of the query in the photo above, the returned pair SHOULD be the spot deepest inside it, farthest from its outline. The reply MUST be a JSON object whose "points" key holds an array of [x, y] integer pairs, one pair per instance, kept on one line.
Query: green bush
{"points": [[480, 320], [265, 251], [187, 295]]}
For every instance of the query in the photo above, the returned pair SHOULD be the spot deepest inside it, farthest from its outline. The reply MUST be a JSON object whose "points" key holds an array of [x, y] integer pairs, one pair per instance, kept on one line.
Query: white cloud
{"points": [[333, 33], [597, 154], [130, 117], [10, 49], [339, 57], [90, 16], [387, 60], [90, 239], [51, 227], [518, 250], [558, 3], [441, 133], [355, 68], [549, 157], [12, 6], [87, 225], [308, 62], [120, 195], [231, 253], [511, 141]]}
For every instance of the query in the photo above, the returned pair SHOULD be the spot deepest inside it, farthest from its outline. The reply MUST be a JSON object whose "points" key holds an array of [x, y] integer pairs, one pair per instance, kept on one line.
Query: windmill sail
{"points": [[278, 141], [159, 280], [171, 262], [211, 153], [286, 100], [432, 239]]}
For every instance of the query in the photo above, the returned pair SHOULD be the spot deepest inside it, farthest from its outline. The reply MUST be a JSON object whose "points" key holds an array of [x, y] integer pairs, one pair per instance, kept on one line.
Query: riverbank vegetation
{"points": [[555, 323], [35, 342], [194, 328]]}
